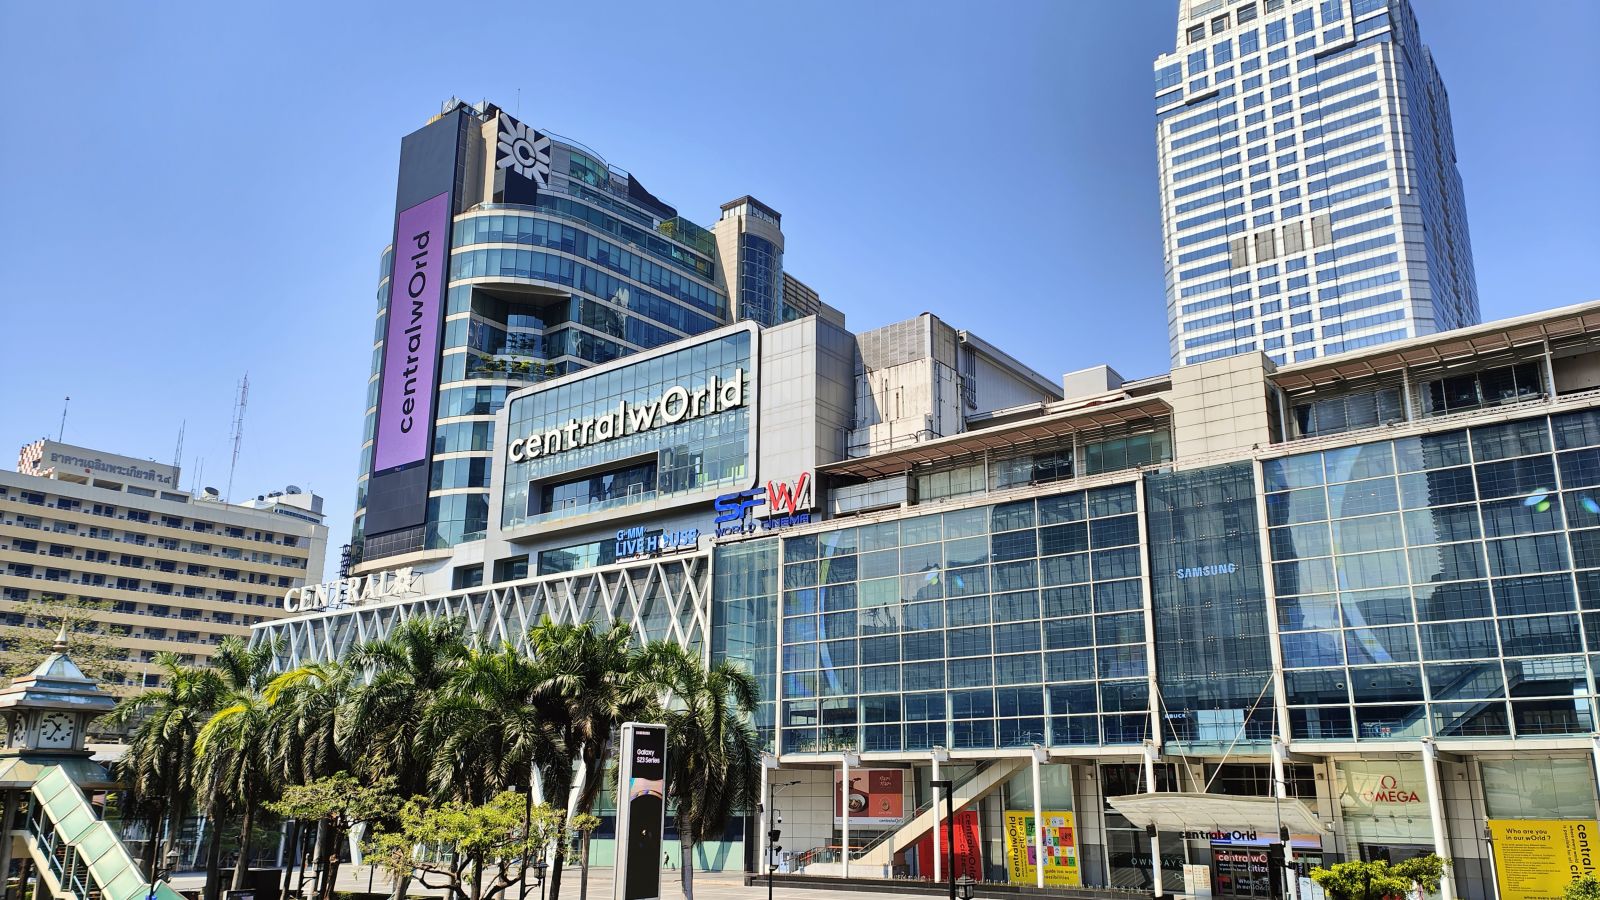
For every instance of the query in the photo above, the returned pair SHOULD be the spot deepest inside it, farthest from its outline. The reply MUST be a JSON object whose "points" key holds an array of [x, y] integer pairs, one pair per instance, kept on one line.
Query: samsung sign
{"points": [[1227, 568], [676, 404]]}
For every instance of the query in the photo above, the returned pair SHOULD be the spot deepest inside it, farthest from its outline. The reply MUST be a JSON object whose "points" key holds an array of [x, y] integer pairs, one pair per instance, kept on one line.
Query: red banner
{"points": [[969, 852]]}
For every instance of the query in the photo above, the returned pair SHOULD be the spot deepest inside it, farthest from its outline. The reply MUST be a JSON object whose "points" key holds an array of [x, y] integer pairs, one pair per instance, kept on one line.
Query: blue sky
{"points": [[193, 191]]}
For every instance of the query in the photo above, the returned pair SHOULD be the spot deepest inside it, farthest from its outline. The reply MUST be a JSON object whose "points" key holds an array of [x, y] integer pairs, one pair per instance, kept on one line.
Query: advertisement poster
{"points": [[642, 779], [876, 797], [1535, 859], [969, 852], [1060, 849]]}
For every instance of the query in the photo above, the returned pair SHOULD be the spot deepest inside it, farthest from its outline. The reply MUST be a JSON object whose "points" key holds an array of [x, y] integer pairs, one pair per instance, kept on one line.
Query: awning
{"points": [[1208, 813]]}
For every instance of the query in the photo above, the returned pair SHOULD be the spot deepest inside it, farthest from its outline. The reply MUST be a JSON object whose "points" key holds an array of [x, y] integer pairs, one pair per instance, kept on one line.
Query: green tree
{"points": [[388, 716], [97, 645], [1584, 888], [338, 802], [1357, 880], [233, 751], [713, 752], [488, 731], [453, 845], [158, 770], [593, 681]]}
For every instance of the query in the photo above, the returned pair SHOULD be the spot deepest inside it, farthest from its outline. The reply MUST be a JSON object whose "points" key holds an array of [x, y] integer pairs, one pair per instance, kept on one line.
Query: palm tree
{"points": [[711, 746], [489, 732], [233, 749], [387, 715], [488, 729], [309, 706], [159, 767], [593, 681]]}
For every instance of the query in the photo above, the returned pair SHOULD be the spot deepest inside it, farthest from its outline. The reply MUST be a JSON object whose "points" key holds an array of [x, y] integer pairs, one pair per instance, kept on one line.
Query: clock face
{"points": [[57, 729]]}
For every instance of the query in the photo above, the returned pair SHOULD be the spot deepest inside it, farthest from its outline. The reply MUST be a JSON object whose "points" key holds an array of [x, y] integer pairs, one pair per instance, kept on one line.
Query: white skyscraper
{"points": [[1309, 192]]}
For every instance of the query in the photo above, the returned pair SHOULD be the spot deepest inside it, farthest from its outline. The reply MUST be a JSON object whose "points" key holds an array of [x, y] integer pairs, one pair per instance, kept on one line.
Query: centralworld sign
{"points": [[676, 404]]}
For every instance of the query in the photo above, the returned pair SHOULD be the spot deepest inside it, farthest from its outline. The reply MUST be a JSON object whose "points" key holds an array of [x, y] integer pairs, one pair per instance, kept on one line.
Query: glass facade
{"points": [[760, 280], [635, 465], [584, 274], [992, 626], [1212, 633], [1439, 585]]}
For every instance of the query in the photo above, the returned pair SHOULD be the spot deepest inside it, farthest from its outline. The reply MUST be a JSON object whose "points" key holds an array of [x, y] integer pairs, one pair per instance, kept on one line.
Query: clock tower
{"points": [[47, 712]]}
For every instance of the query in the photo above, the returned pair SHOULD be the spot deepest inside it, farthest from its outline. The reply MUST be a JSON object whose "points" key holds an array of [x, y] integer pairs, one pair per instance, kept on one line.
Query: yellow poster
{"points": [[1060, 849], [1535, 859]]}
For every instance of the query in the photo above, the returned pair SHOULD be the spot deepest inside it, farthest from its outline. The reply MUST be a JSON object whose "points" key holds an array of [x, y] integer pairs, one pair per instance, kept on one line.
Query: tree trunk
{"points": [[477, 878], [319, 854], [292, 850], [152, 849], [241, 868], [583, 868], [686, 862], [401, 885], [213, 888], [330, 884]]}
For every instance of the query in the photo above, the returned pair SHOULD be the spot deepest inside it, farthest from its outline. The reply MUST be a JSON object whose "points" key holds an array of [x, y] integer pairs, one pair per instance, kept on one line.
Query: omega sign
{"points": [[677, 404], [1389, 791], [352, 591]]}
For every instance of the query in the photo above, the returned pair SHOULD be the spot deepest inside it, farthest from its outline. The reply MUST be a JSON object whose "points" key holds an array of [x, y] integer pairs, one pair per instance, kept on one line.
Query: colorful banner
{"points": [[968, 850], [411, 334], [1535, 859], [876, 797], [1060, 849]]}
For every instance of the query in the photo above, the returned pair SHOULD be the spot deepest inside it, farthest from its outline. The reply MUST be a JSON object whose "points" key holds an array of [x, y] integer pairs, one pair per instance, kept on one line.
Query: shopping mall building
{"points": [[1348, 598]]}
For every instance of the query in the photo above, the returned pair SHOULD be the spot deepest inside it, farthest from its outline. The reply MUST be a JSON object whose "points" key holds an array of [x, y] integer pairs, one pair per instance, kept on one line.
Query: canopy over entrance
{"points": [[1210, 813]]}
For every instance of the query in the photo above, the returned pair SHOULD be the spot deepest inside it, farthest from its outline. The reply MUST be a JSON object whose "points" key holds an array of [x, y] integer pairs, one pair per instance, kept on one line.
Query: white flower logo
{"points": [[523, 150]]}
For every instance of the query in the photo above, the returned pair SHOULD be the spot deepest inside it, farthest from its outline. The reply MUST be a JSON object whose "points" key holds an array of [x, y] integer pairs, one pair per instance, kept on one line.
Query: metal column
{"points": [[1155, 836], [1441, 838], [1291, 880], [938, 861], [843, 799], [1038, 818]]}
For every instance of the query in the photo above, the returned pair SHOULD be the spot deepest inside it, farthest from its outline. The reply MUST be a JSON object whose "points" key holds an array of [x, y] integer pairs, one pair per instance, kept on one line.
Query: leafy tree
{"points": [[1584, 888], [454, 845], [488, 731], [388, 716], [338, 801], [96, 645], [1356, 880], [594, 680], [233, 750], [714, 754], [159, 768]]}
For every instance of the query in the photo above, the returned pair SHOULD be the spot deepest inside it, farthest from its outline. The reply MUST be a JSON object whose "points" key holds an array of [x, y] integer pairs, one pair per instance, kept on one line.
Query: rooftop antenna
{"points": [[199, 475], [177, 455], [63, 431], [238, 431]]}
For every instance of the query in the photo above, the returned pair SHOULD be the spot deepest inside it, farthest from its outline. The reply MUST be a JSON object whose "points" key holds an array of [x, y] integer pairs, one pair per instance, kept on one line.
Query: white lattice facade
{"points": [[661, 599]]}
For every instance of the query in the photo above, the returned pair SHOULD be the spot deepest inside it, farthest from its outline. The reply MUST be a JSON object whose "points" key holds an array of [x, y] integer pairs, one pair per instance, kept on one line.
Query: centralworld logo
{"points": [[523, 150]]}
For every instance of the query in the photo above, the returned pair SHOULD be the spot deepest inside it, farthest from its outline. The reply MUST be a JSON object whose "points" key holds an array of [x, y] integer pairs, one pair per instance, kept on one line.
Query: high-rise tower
{"points": [[520, 256], [1309, 192]]}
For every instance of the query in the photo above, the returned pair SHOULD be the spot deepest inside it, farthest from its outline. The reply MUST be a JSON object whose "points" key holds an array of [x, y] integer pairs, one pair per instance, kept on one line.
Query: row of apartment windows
{"points": [[110, 511]]}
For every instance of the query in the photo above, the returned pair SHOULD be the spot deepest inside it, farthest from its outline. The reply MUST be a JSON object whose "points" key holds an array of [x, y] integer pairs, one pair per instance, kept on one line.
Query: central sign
{"points": [[411, 334], [676, 404], [353, 591]]}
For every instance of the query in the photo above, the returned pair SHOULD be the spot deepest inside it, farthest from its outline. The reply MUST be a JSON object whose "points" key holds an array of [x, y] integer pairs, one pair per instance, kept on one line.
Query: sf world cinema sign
{"points": [[676, 404], [352, 591]]}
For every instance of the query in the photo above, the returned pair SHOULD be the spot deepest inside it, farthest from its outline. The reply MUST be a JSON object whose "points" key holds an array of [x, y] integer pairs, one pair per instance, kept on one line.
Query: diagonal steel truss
{"points": [[661, 599]]}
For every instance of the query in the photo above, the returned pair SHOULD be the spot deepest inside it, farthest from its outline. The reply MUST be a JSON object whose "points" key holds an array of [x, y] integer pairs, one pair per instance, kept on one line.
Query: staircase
{"points": [[77, 856], [877, 858]]}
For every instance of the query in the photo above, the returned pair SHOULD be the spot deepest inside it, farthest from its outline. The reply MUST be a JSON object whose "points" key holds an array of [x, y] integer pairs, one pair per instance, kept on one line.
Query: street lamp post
{"points": [[164, 873], [774, 833], [948, 788]]}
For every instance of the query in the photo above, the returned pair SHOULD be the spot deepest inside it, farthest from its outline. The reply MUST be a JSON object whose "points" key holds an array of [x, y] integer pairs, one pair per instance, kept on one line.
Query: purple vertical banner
{"points": [[411, 336]]}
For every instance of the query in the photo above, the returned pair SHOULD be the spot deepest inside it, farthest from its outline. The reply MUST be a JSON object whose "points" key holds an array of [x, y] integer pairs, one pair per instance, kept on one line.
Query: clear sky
{"points": [[192, 191]]}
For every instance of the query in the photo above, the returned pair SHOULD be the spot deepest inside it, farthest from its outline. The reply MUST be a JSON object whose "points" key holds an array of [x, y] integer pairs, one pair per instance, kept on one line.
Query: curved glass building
{"points": [[524, 256]]}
